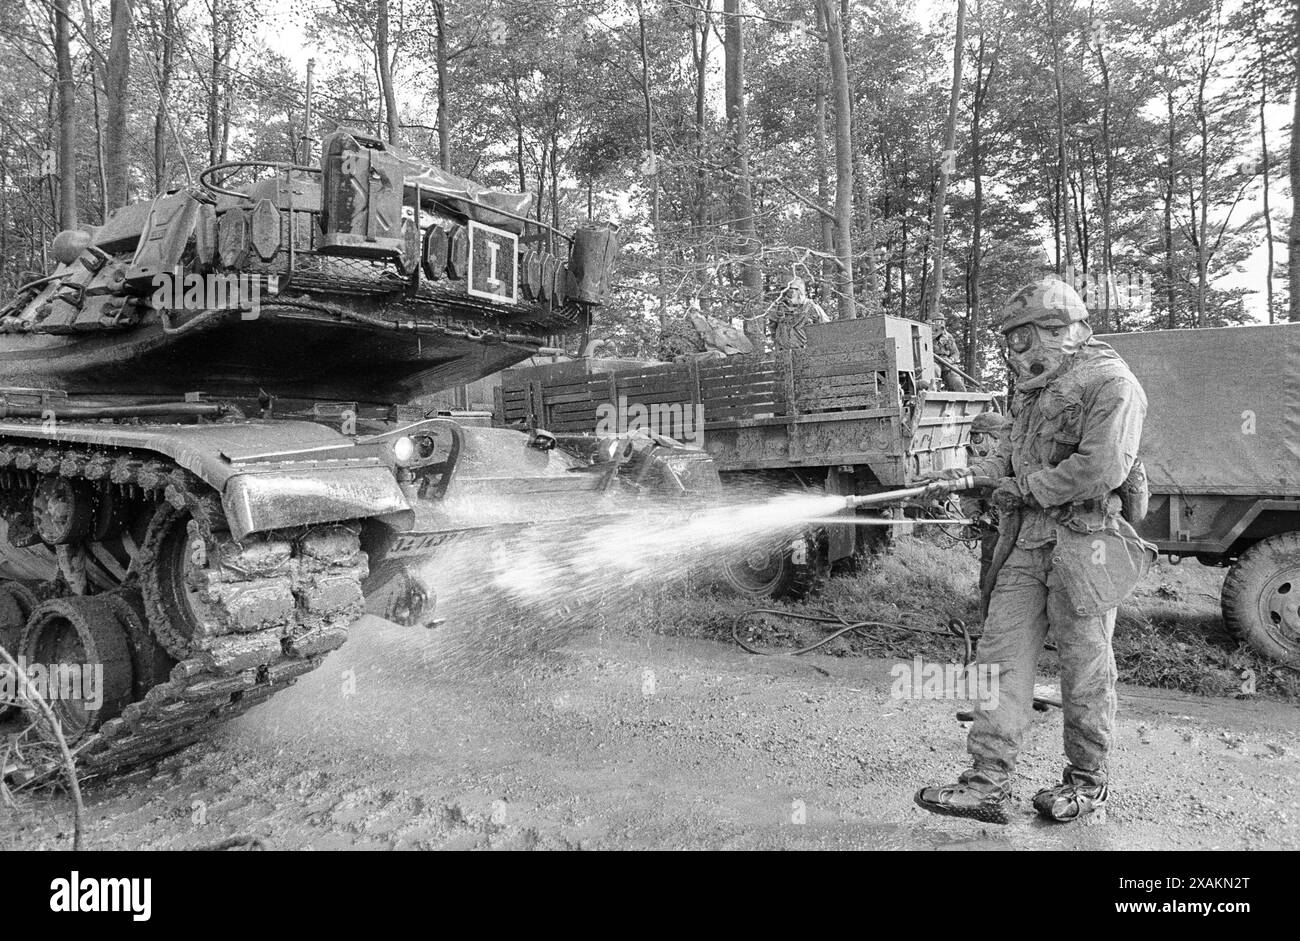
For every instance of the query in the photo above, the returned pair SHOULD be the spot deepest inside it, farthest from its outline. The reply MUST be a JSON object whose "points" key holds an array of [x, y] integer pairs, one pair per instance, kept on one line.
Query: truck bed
{"points": [[847, 399]]}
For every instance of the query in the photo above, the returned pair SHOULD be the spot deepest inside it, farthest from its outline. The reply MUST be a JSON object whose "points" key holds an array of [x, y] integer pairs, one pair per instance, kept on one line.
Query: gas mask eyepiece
{"points": [[1021, 338]]}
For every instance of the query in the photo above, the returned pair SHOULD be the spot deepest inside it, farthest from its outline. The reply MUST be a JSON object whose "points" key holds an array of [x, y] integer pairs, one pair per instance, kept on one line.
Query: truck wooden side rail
{"points": [[855, 396]]}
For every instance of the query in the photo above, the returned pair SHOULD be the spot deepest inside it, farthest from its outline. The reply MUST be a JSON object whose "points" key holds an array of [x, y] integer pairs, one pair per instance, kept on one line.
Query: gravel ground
{"points": [[663, 742]]}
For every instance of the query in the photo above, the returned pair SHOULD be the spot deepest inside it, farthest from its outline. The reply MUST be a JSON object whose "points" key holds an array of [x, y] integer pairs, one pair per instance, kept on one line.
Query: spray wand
{"points": [[886, 497]]}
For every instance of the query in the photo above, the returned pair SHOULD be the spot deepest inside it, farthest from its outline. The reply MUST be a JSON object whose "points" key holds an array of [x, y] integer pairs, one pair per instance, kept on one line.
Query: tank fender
{"points": [[281, 499], [270, 474]]}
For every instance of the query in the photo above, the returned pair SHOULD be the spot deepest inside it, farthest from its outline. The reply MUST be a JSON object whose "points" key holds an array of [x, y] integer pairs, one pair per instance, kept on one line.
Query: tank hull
{"points": [[299, 356]]}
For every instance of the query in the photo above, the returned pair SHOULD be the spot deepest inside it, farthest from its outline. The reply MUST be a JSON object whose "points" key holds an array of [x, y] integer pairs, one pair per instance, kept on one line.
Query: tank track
{"points": [[270, 607]]}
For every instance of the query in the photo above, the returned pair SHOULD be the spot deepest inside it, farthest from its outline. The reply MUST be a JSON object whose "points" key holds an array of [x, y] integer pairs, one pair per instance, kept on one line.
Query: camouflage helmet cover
{"points": [[1047, 302]]}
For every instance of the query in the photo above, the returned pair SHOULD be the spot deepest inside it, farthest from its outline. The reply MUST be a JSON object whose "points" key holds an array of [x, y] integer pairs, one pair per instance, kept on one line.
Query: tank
{"points": [[210, 461]]}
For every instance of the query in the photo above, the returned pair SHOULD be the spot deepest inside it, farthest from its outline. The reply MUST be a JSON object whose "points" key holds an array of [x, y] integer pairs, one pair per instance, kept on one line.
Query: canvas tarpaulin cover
{"points": [[1223, 410]]}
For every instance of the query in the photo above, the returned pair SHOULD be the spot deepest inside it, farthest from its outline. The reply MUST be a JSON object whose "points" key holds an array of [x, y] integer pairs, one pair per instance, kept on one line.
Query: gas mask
{"points": [[1036, 353], [981, 443]]}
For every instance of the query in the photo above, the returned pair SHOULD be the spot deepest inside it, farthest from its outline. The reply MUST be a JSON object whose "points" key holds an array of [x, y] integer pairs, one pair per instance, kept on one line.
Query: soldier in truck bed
{"points": [[945, 346], [790, 316], [1076, 421]]}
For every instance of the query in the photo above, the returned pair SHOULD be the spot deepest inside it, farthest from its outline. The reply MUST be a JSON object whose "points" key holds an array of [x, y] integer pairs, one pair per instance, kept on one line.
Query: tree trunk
{"points": [[652, 165], [444, 112], [519, 138], [1171, 179], [167, 55], [823, 194], [216, 65], [983, 82], [701, 97], [385, 64], [902, 257], [1203, 204], [1293, 247], [555, 184], [227, 107], [116, 87], [869, 291], [887, 298], [946, 167], [1269, 264], [1062, 189], [843, 159], [743, 200], [66, 98], [99, 149], [700, 209], [1107, 188]]}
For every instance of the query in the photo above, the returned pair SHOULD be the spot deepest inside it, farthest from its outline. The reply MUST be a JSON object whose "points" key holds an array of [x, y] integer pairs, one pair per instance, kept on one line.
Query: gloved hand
{"points": [[1009, 496], [935, 489]]}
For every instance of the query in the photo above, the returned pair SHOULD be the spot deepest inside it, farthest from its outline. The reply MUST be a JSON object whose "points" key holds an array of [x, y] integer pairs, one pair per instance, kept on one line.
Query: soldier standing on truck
{"points": [[1076, 420], [791, 314], [945, 347]]}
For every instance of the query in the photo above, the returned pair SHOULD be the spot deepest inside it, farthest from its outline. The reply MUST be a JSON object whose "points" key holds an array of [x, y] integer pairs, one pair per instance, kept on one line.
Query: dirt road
{"points": [[661, 742]]}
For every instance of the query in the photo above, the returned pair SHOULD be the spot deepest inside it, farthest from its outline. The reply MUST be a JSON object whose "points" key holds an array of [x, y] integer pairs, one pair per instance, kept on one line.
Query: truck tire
{"points": [[779, 573], [1261, 597]]}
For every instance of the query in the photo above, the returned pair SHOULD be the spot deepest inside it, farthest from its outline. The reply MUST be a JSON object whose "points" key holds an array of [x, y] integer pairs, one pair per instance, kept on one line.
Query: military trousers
{"points": [[1028, 599]]}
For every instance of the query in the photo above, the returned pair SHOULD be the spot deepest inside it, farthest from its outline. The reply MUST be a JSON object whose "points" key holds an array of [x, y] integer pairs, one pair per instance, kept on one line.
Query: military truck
{"points": [[856, 411], [1221, 447]]}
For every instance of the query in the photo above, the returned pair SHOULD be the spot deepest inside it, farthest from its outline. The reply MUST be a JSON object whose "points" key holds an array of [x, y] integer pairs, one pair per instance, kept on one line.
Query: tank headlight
{"points": [[404, 449]]}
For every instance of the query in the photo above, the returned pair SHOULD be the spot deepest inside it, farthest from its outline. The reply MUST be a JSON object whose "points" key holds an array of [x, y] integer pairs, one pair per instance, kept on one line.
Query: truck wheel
{"points": [[1261, 597], [787, 570]]}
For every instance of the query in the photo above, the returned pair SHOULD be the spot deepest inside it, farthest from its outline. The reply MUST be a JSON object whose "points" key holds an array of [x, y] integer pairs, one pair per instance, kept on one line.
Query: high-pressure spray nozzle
{"points": [[966, 482]]}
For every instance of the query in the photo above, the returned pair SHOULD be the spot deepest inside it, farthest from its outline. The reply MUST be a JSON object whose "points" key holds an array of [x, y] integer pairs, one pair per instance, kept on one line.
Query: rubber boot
{"points": [[1080, 794], [974, 796]]}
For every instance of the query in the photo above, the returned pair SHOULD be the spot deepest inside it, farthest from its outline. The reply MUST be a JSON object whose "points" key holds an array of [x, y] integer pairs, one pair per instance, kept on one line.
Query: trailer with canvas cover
{"points": [[1221, 446]]}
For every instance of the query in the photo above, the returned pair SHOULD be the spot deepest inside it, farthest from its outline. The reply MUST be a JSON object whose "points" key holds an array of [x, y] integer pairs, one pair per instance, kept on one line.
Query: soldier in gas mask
{"points": [[1076, 420], [793, 312], [945, 347]]}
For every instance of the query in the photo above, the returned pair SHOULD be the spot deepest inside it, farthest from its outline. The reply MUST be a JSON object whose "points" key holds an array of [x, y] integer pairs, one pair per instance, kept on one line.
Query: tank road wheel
{"points": [[790, 569], [1261, 597], [170, 580], [79, 641], [150, 662], [16, 604]]}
